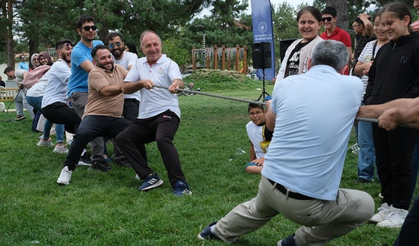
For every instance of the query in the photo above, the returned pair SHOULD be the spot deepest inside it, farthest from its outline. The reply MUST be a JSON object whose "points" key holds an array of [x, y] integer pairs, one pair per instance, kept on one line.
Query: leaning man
{"points": [[312, 115], [103, 112]]}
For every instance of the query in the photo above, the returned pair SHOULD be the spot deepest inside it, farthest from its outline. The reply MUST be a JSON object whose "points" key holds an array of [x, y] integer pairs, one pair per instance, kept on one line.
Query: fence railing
{"points": [[7, 93]]}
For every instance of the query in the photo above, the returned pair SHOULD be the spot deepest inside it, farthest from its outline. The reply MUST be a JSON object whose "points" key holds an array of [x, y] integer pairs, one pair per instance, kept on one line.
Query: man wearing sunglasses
{"points": [[81, 64], [130, 112], [126, 60], [329, 18]]}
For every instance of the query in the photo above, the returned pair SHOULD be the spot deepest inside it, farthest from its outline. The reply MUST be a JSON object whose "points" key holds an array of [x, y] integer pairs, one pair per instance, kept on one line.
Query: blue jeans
{"points": [[366, 155], [36, 102]]}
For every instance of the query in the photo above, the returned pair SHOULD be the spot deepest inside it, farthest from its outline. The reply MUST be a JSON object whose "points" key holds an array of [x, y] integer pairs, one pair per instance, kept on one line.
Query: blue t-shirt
{"points": [[315, 113], [23, 65], [78, 78]]}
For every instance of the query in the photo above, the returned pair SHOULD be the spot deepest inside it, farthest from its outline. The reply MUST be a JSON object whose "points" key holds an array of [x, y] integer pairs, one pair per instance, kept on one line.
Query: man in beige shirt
{"points": [[103, 112]]}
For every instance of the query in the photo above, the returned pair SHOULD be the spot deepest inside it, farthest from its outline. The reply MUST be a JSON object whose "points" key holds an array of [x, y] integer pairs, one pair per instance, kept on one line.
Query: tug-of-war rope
{"points": [[250, 101]]}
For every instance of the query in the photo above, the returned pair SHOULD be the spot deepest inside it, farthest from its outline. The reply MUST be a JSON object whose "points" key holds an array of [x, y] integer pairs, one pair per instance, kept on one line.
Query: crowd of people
{"points": [[94, 91], [298, 143]]}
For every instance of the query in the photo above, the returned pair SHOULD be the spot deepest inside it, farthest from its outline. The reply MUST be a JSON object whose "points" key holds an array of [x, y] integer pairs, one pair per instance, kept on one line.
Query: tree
{"points": [[43, 22], [226, 25], [7, 23]]}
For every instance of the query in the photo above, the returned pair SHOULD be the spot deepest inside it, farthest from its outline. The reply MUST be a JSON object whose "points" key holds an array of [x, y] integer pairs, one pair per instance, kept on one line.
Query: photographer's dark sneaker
{"points": [[151, 182], [207, 234], [181, 188], [85, 160], [100, 165], [289, 241]]}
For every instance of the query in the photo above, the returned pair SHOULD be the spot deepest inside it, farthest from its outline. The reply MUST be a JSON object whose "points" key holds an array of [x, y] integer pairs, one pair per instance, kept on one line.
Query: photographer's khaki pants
{"points": [[321, 220]]}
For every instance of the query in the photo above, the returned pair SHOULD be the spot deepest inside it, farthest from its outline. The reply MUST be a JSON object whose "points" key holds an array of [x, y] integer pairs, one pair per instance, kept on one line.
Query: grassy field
{"points": [[107, 209]]}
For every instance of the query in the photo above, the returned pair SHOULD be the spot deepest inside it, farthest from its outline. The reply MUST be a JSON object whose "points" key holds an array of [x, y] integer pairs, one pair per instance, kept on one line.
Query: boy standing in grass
{"points": [[260, 137]]}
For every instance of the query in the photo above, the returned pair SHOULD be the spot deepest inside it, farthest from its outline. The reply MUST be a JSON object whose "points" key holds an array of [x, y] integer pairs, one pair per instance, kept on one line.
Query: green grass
{"points": [[106, 208]]}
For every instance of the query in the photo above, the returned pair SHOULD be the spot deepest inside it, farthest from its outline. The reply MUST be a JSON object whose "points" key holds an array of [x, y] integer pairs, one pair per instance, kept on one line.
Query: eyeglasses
{"points": [[35, 59], [87, 28], [353, 26], [327, 19], [255, 113], [112, 45]]}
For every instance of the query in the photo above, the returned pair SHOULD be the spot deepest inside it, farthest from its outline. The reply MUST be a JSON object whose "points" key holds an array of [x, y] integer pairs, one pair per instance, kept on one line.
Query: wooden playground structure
{"points": [[229, 58]]}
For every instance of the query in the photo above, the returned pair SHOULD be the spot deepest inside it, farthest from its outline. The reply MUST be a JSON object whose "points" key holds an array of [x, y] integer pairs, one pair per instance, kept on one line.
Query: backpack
{"points": [[34, 75]]}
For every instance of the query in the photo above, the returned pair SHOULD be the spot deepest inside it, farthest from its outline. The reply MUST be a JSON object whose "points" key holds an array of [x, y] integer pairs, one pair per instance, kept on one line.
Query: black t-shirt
{"points": [[293, 63]]}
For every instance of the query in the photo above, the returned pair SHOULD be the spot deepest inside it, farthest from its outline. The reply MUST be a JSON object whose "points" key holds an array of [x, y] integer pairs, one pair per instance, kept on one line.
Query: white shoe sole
{"points": [[155, 185]]}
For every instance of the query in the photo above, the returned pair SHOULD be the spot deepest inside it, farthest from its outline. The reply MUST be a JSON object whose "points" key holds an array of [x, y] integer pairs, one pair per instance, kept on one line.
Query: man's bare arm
{"points": [[87, 66], [176, 84], [270, 117], [131, 87], [374, 111], [393, 117], [111, 90]]}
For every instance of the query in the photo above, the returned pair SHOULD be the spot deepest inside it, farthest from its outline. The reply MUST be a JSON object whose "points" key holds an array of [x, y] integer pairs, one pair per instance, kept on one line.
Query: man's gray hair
{"points": [[332, 53]]}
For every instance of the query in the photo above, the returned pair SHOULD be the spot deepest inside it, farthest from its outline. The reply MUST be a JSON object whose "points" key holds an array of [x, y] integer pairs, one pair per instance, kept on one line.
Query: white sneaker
{"points": [[60, 149], [394, 219], [65, 176], [45, 143], [383, 211]]}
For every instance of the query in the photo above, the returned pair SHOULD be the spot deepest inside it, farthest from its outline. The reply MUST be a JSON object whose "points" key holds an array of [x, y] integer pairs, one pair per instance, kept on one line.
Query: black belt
{"points": [[291, 194]]}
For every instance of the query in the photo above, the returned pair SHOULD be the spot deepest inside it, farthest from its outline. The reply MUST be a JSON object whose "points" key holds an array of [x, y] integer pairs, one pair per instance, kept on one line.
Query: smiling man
{"points": [[103, 113], [329, 18], [126, 60], [159, 116]]}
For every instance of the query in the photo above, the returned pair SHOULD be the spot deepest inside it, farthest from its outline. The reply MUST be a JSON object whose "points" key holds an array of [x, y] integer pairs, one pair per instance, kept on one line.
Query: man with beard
{"points": [[126, 60], [81, 64], [103, 113], [54, 106], [131, 101]]}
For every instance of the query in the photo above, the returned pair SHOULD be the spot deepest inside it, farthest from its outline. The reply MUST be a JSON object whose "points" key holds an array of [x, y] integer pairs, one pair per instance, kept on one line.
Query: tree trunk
{"points": [[8, 14], [341, 7], [33, 48]]}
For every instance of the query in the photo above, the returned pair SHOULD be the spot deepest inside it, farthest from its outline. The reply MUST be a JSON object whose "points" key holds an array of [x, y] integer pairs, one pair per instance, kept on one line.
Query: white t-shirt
{"points": [[366, 56], [162, 73], [38, 89], [56, 89], [127, 60], [255, 135]]}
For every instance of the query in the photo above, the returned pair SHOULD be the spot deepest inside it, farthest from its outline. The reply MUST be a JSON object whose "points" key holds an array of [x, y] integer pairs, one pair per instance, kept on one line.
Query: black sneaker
{"points": [[181, 188], [100, 165], [85, 160], [123, 163], [207, 234], [150, 182], [289, 241], [20, 117]]}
